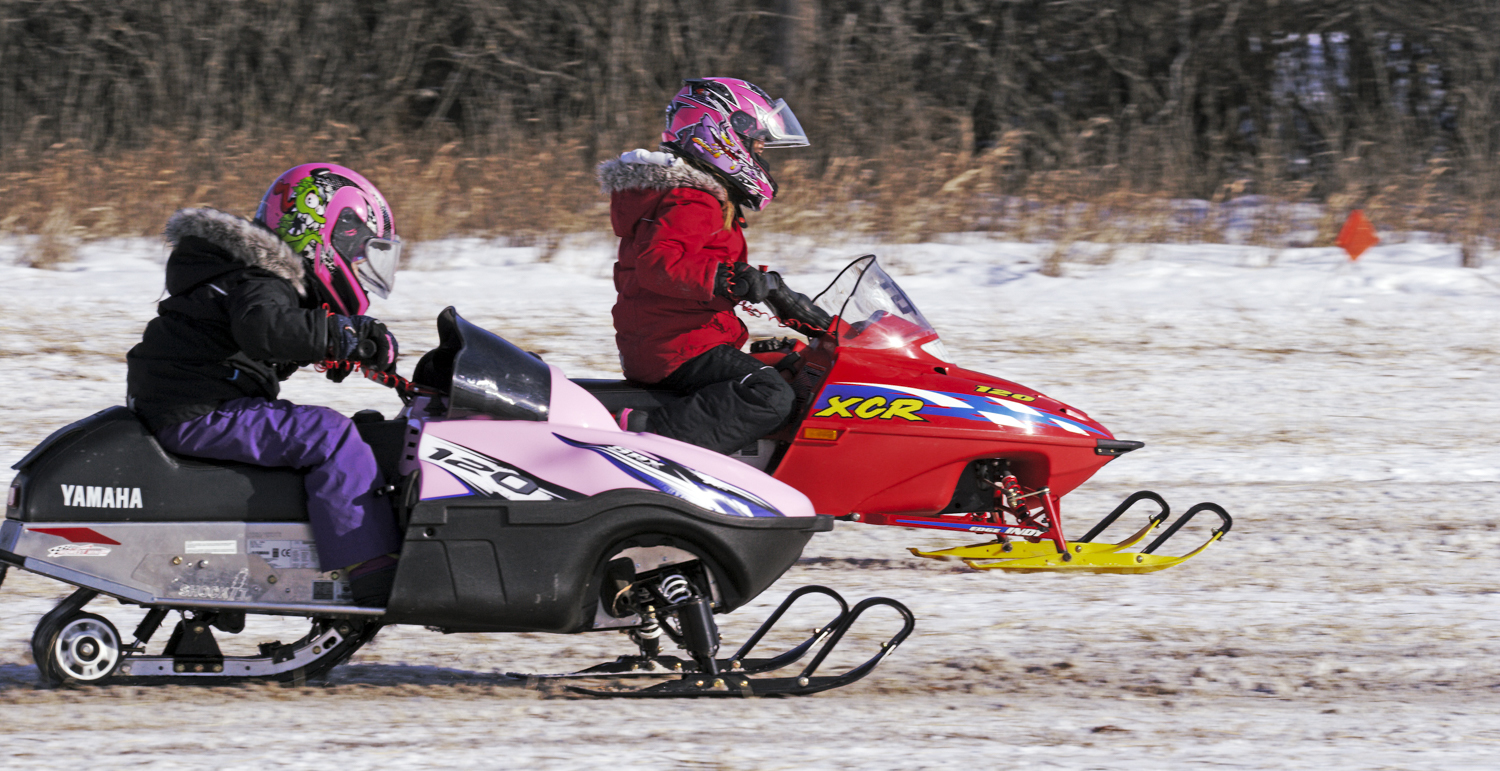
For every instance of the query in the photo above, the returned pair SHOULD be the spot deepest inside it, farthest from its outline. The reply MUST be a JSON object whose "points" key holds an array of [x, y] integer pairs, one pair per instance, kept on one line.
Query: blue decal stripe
{"points": [[717, 499], [455, 495], [926, 523], [1075, 423]]}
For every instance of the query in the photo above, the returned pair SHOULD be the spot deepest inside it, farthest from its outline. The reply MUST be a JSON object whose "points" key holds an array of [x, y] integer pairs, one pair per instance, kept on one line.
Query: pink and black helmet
{"points": [[714, 120], [342, 227]]}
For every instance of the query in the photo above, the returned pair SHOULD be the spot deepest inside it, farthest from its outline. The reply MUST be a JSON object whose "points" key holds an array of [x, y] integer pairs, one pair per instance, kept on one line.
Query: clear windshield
{"points": [[872, 311]]}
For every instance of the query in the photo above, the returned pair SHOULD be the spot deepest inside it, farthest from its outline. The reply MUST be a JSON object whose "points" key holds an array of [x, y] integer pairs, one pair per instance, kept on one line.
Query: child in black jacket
{"points": [[249, 303]]}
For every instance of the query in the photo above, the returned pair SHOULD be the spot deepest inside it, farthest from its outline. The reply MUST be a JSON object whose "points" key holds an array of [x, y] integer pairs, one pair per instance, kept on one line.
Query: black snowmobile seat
{"points": [[109, 468], [617, 395]]}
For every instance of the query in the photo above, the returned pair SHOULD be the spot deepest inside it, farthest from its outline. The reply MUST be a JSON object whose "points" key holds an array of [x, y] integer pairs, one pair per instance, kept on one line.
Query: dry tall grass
{"points": [[74, 192]]}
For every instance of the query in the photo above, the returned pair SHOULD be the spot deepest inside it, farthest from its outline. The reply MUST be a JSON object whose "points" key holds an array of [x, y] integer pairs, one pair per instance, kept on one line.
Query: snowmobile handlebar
{"points": [[791, 308], [407, 389]]}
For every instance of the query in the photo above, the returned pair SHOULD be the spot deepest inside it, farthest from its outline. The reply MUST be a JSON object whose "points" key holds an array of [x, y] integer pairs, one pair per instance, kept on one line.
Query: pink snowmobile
{"points": [[525, 509]]}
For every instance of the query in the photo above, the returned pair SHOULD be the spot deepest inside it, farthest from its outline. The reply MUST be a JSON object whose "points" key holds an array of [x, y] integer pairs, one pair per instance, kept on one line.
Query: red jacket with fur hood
{"points": [[670, 220]]}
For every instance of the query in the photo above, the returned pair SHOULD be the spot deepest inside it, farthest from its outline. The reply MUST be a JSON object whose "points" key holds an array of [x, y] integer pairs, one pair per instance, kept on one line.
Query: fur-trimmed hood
{"points": [[642, 170], [246, 242]]}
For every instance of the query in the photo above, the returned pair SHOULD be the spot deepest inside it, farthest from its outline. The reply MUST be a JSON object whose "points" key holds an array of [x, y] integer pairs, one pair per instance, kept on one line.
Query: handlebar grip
{"points": [[365, 350]]}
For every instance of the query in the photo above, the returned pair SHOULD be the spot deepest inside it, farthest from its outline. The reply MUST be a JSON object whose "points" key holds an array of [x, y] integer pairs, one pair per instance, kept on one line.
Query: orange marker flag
{"points": [[1357, 236]]}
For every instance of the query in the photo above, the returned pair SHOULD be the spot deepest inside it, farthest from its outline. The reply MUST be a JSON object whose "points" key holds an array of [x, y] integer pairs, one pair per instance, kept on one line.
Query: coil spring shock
{"points": [[995, 474], [647, 636], [696, 631], [1010, 487], [675, 589]]}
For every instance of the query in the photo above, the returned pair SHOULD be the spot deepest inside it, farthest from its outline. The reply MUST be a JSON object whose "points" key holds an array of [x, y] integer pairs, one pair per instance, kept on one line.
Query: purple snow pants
{"points": [[350, 522]]}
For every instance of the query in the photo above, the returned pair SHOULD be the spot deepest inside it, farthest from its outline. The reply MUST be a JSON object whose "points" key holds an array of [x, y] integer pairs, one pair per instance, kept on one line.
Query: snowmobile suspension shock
{"points": [[647, 636], [676, 589], [695, 616]]}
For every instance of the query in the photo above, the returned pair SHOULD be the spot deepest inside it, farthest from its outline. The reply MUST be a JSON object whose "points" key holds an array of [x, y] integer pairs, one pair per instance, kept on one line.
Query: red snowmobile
{"points": [[887, 432]]}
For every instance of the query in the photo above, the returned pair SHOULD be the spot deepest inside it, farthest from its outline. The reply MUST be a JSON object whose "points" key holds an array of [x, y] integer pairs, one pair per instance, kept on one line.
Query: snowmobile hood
{"points": [[208, 243], [1002, 402], [948, 398]]}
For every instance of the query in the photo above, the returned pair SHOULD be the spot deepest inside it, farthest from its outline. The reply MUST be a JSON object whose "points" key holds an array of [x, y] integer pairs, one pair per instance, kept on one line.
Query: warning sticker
{"points": [[332, 590], [283, 554], [211, 547]]}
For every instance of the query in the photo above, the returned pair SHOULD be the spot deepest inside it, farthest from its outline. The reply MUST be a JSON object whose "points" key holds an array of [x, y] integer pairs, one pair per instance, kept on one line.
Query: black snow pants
{"points": [[730, 399]]}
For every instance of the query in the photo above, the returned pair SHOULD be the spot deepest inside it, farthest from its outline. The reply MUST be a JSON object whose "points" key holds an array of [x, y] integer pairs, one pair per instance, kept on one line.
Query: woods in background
{"points": [[925, 116]]}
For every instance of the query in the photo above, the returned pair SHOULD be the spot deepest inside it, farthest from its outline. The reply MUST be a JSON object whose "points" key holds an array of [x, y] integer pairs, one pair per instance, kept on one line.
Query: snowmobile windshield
{"points": [[485, 374], [872, 311]]}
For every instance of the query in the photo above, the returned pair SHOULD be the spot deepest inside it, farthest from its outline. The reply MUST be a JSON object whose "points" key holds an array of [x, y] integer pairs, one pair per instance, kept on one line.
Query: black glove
{"points": [[361, 339], [739, 281], [794, 308]]}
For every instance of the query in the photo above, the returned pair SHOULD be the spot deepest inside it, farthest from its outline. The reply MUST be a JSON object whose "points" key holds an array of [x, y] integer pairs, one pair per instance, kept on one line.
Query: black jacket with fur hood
{"points": [[238, 320]]}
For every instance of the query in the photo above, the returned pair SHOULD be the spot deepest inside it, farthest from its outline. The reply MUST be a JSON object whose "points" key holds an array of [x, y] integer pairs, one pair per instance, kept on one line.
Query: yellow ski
{"points": [[1080, 559], [1012, 550]]}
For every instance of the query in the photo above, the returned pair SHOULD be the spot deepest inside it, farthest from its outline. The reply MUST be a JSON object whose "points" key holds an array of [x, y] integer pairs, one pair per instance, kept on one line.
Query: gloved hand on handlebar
{"points": [[360, 339], [791, 305], [739, 281]]}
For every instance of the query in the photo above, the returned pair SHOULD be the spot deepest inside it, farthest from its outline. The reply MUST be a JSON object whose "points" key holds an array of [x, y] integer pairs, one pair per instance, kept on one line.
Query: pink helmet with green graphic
{"points": [[342, 227], [713, 122]]}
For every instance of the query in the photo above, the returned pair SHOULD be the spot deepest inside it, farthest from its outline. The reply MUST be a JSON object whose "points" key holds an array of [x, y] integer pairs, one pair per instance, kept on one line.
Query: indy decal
{"points": [[673, 478], [489, 477], [102, 497], [996, 406]]}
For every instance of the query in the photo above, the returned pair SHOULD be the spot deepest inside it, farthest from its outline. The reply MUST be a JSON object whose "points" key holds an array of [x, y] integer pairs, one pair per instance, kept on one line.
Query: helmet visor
{"points": [[375, 267], [779, 127]]}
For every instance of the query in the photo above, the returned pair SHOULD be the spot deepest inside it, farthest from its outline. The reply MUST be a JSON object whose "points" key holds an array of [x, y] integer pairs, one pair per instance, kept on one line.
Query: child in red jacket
{"points": [[681, 267]]}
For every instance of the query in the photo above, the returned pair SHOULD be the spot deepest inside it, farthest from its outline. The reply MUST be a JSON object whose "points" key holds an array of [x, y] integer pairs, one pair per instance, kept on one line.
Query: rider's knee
{"points": [[766, 387]]}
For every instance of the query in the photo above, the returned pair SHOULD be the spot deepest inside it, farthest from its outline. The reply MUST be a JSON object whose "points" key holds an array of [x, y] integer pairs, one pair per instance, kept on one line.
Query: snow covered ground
{"points": [[1344, 413]]}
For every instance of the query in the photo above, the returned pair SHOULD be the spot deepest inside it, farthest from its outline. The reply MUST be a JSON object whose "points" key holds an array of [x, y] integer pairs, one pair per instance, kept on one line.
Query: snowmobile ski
{"points": [[1081, 560], [732, 677], [1008, 549]]}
